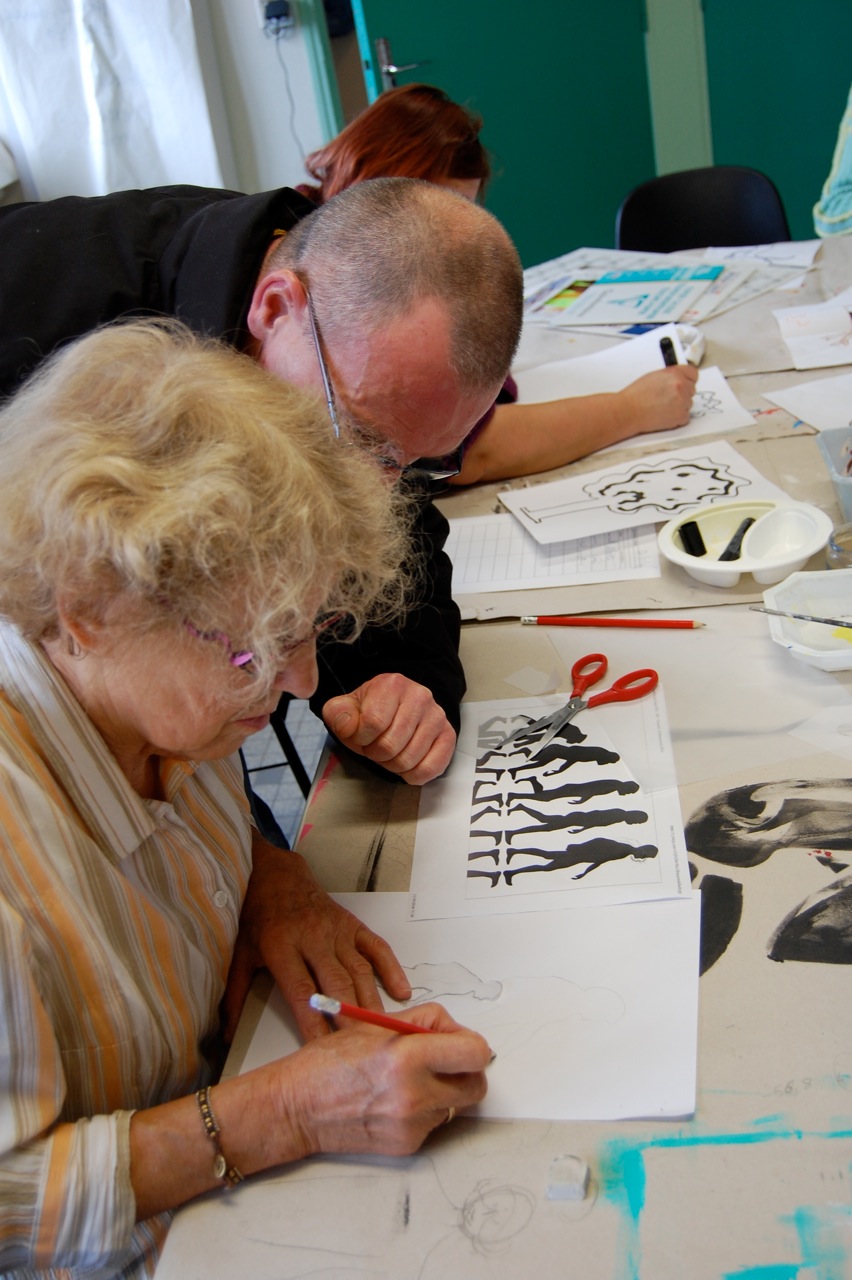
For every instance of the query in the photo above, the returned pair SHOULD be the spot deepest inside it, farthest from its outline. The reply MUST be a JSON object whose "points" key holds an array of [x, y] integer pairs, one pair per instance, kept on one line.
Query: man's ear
{"points": [[277, 295]]}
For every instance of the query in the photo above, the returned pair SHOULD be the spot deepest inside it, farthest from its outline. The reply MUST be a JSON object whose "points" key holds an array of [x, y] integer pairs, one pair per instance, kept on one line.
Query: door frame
{"points": [[314, 29]]}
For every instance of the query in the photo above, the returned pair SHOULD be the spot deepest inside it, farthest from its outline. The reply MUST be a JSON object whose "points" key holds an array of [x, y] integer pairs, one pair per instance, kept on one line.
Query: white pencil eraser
{"points": [[569, 1179]]}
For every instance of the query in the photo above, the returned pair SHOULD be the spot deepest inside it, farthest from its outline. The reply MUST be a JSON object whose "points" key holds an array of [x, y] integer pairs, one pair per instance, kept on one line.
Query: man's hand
{"points": [[395, 723], [291, 926]]}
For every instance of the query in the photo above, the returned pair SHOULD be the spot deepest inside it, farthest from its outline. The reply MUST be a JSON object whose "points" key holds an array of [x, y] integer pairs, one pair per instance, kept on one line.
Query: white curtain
{"points": [[103, 95]]}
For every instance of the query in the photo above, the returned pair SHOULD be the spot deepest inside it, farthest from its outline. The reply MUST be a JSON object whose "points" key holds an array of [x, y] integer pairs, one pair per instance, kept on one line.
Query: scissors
{"points": [[586, 672]]}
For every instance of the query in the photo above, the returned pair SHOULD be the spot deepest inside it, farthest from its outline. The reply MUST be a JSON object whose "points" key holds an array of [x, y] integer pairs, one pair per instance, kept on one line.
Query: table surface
{"points": [[757, 1183]]}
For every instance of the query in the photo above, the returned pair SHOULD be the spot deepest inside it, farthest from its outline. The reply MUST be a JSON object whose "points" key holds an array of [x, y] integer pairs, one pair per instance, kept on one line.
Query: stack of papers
{"points": [[647, 295], [574, 291]]}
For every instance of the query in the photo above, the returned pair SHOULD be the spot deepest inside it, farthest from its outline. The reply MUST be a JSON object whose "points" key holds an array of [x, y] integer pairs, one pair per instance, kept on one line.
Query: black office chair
{"points": [[720, 205]]}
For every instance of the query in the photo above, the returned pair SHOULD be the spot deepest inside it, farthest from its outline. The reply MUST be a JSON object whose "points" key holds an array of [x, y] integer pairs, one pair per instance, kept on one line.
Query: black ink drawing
{"points": [[705, 403], [745, 826], [558, 812], [669, 486]]}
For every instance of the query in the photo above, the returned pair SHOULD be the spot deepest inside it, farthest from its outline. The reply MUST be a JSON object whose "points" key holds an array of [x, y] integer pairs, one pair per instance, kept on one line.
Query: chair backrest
{"points": [[720, 205]]}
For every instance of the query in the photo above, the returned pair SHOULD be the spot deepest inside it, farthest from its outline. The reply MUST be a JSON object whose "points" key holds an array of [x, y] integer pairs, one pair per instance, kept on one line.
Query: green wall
{"points": [[583, 101], [779, 74]]}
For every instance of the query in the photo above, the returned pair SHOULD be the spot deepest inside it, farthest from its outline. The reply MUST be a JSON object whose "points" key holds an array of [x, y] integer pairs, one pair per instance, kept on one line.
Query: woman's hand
{"points": [[660, 400], [291, 926], [359, 1090], [369, 1090]]}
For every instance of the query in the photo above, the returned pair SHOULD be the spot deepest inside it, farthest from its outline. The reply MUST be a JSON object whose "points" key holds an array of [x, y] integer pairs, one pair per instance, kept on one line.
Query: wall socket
{"points": [[276, 15]]}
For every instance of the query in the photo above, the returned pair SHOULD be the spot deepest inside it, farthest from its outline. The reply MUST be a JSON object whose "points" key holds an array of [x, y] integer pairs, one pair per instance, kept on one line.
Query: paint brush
{"points": [[327, 1004], [574, 620], [734, 548], [802, 617]]}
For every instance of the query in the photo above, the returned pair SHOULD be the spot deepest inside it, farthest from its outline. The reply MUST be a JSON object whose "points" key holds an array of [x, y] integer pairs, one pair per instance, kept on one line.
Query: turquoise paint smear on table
{"points": [[784, 1271], [823, 1234]]}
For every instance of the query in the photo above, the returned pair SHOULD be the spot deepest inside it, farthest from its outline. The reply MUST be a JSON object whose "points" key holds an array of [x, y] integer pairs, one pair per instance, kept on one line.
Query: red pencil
{"points": [[327, 1004], [574, 620]]}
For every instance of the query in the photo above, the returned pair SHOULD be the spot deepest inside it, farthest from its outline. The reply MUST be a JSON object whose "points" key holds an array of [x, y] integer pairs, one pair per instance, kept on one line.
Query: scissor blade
{"points": [[558, 722], [525, 731]]}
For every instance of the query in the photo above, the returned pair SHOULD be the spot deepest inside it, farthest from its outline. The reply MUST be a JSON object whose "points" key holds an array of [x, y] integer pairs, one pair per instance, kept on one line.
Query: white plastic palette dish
{"points": [[826, 594], [782, 539]]}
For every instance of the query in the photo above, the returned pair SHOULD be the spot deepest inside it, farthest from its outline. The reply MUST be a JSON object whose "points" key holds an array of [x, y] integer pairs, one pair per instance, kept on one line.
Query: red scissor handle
{"points": [[583, 678], [634, 685]]}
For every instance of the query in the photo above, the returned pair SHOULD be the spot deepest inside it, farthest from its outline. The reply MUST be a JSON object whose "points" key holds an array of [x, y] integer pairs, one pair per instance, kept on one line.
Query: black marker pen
{"points": [[668, 350]]}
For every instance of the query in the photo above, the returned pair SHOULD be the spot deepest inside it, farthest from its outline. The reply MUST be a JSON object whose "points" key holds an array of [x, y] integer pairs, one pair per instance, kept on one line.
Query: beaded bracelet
{"points": [[227, 1174]]}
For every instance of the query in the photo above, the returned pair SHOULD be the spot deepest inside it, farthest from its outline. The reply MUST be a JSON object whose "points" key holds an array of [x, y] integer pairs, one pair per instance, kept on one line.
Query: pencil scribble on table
{"points": [[492, 1214], [490, 1218], [745, 826], [665, 487], [514, 784]]}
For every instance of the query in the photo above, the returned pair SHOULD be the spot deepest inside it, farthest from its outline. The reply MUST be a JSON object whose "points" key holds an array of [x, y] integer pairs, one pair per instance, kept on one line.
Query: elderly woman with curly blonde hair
{"points": [[176, 531]]}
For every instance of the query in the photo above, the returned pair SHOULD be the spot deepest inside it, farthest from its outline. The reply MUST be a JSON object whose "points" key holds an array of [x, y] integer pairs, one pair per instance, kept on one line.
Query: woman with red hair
{"points": [[416, 131]]}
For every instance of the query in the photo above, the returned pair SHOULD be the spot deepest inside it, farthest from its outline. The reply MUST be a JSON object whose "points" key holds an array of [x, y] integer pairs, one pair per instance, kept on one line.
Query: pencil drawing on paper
{"points": [[745, 826], [440, 981], [665, 487], [563, 813]]}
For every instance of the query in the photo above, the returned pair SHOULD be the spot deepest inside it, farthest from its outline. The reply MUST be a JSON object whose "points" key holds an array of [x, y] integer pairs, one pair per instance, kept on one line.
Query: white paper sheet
{"points": [[586, 800], [830, 729], [493, 553], [825, 404], [655, 487], [719, 292], [818, 336], [787, 253], [608, 370], [592, 1017]]}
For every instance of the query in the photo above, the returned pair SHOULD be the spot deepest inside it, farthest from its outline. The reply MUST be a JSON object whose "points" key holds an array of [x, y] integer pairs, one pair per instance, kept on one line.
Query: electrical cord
{"points": [[278, 32]]}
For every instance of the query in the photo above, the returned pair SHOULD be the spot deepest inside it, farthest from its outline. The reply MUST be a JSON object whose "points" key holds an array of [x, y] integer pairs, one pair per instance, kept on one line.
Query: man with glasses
{"points": [[398, 301]]}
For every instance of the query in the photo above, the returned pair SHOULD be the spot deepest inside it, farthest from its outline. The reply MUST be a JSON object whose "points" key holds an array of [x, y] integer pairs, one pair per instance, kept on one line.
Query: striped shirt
{"points": [[118, 917]]}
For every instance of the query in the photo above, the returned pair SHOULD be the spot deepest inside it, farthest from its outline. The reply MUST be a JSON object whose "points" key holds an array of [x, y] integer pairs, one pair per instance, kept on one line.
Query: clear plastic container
{"points": [[838, 550]]}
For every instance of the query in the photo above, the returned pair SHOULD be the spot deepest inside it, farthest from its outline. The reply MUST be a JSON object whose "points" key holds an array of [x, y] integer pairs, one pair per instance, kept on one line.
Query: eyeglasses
{"points": [[441, 468], [341, 623], [323, 368]]}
